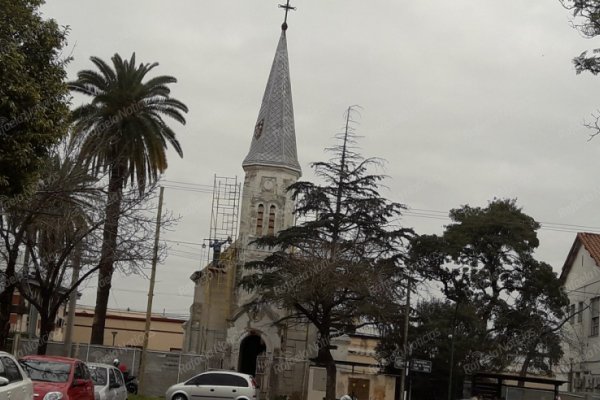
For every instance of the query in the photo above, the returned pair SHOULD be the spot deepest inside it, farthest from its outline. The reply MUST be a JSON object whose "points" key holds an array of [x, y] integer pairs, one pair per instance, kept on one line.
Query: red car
{"points": [[58, 378]]}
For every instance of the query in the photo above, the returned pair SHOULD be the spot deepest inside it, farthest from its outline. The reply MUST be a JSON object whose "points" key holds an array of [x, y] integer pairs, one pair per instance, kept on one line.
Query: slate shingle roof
{"points": [[274, 139]]}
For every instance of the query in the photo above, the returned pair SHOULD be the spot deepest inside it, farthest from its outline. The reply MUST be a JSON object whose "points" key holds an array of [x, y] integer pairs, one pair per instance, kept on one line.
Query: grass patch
{"points": [[140, 397]]}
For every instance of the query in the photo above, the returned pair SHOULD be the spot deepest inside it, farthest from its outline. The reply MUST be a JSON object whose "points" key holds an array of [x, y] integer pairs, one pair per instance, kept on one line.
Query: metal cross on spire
{"points": [[287, 8]]}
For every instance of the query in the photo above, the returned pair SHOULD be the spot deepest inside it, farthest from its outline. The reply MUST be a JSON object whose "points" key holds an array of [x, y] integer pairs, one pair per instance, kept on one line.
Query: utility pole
{"points": [[406, 355], [451, 372], [150, 295], [72, 302]]}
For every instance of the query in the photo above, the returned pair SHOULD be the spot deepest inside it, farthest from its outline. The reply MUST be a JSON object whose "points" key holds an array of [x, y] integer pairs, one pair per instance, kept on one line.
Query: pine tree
{"points": [[339, 269]]}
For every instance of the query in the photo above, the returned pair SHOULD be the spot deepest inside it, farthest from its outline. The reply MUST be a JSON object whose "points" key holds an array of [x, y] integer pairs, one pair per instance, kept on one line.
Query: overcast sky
{"points": [[467, 100]]}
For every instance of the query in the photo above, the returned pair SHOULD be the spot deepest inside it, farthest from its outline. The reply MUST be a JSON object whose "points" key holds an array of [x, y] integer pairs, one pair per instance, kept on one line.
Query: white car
{"points": [[108, 382], [215, 385], [14, 382]]}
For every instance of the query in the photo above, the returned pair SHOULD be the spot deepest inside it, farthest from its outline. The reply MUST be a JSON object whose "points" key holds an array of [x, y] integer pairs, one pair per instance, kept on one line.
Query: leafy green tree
{"points": [[123, 133], [340, 268], [33, 110], [441, 333], [33, 94], [533, 326], [485, 258]]}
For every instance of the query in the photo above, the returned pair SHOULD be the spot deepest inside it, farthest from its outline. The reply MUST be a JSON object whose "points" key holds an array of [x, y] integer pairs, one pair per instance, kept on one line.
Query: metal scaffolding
{"points": [[224, 218]]}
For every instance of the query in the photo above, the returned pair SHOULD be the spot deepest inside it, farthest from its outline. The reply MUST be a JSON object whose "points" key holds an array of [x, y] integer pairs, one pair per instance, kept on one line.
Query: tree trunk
{"points": [[6, 301], [331, 381], [528, 357], [107, 256], [46, 328], [325, 358], [524, 368], [5, 307]]}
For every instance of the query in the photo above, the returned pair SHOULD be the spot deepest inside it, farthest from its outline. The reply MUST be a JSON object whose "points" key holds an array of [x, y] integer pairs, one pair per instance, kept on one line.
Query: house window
{"points": [[580, 312], [259, 219], [272, 220], [595, 318]]}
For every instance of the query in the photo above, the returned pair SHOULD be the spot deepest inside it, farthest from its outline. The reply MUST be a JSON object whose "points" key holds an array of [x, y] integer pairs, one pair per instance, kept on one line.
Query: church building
{"points": [[251, 341], [254, 341]]}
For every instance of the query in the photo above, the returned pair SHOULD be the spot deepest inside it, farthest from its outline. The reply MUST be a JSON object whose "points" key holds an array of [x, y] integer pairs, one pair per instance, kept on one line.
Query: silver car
{"points": [[108, 382], [215, 385], [14, 382]]}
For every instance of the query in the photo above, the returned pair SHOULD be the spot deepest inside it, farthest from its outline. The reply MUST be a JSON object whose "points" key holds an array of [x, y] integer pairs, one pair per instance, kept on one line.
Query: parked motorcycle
{"points": [[131, 383]]}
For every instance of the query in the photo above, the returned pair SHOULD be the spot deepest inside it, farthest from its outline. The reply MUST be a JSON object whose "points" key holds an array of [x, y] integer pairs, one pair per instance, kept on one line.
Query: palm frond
{"points": [[123, 124]]}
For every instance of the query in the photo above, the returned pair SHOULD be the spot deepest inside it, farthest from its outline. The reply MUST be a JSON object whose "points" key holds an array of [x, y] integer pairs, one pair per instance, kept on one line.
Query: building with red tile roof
{"points": [[580, 276]]}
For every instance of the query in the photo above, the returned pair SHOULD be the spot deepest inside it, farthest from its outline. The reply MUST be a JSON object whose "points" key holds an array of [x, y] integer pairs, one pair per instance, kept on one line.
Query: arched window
{"points": [[272, 220], [259, 219]]}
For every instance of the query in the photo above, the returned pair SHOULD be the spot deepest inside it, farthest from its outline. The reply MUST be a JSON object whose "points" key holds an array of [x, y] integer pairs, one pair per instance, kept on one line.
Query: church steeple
{"points": [[274, 140]]}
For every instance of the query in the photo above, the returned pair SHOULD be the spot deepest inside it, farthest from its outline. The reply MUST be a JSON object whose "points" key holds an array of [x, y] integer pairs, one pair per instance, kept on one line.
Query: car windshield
{"points": [[47, 371], [99, 375]]}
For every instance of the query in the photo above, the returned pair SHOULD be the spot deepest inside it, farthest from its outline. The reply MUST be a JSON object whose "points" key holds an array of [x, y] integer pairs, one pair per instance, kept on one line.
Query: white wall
{"points": [[582, 350]]}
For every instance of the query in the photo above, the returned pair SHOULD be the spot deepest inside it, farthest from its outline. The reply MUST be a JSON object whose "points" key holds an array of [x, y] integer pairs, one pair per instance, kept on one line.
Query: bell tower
{"points": [[272, 162], [246, 339], [270, 167]]}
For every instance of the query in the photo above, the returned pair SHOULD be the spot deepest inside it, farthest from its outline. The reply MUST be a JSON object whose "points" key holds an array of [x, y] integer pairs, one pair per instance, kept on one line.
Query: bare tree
{"points": [[586, 20], [60, 228]]}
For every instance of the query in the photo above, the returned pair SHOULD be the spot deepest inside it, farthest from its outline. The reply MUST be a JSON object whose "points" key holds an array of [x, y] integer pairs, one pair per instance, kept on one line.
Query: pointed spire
{"points": [[274, 140]]}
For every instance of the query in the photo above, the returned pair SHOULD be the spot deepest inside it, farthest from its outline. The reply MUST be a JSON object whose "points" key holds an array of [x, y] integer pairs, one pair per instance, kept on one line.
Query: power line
{"points": [[188, 183], [144, 291], [184, 242], [549, 226], [187, 253], [410, 212]]}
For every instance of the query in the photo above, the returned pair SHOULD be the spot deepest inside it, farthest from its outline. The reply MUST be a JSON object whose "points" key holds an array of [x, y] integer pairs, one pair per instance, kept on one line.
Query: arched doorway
{"points": [[250, 348]]}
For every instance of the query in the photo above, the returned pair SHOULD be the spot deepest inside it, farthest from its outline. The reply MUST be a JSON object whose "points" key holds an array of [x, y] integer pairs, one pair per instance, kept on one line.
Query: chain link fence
{"points": [[278, 377], [163, 369]]}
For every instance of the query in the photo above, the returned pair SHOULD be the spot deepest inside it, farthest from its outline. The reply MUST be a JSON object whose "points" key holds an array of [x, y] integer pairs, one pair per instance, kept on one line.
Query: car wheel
{"points": [[179, 396]]}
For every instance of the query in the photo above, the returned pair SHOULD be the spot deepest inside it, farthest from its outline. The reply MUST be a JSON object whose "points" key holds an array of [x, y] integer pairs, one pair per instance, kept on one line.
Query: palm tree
{"points": [[122, 132]]}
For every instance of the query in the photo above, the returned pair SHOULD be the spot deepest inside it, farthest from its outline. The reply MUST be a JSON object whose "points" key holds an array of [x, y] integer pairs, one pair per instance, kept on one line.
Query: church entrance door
{"points": [[358, 388], [251, 347]]}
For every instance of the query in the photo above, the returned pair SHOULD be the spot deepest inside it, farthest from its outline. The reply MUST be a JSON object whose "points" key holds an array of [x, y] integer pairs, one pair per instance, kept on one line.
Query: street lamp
{"points": [[451, 337]]}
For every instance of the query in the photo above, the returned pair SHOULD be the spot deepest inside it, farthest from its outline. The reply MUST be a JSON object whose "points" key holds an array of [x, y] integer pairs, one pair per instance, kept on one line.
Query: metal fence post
{"points": [[133, 362], [178, 367]]}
